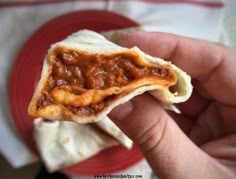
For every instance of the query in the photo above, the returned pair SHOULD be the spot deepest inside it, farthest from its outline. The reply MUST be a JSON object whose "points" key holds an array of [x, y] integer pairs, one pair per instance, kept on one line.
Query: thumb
{"points": [[167, 149]]}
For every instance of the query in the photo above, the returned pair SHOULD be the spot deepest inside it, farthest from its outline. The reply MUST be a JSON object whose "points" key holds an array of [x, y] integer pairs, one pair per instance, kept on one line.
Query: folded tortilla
{"points": [[115, 34], [62, 143], [85, 76], [111, 129]]}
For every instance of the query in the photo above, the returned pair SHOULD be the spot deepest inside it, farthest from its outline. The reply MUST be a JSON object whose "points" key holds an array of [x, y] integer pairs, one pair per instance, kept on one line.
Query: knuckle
{"points": [[152, 136]]}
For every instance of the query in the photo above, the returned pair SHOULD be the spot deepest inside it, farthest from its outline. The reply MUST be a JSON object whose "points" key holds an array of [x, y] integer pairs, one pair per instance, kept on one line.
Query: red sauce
{"points": [[77, 72]]}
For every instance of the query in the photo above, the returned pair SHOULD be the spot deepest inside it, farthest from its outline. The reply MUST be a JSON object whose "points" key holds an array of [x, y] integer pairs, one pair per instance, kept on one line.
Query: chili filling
{"points": [[78, 73]]}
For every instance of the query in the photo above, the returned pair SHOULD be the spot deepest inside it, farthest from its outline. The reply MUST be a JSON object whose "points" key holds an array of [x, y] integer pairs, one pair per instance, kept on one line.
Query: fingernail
{"points": [[122, 111]]}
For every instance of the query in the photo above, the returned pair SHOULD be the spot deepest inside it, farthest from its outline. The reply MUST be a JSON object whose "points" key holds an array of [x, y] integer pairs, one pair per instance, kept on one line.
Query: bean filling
{"points": [[79, 72]]}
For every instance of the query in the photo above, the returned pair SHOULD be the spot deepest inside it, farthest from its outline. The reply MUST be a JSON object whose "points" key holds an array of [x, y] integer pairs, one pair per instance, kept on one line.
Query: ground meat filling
{"points": [[78, 72]]}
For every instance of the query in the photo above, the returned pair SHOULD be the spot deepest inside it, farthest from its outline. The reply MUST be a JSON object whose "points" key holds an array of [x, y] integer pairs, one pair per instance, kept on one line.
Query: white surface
{"points": [[229, 22], [18, 23]]}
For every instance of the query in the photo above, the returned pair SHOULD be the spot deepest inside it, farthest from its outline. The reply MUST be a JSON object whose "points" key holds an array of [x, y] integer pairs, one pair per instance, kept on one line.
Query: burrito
{"points": [[85, 76]]}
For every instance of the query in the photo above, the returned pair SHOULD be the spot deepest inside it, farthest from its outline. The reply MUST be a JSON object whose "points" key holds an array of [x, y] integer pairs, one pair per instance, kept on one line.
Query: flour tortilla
{"points": [[114, 35], [62, 143], [110, 128], [93, 43]]}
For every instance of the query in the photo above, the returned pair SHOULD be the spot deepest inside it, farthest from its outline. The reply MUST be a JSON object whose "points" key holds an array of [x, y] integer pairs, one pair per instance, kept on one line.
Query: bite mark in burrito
{"points": [[85, 76]]}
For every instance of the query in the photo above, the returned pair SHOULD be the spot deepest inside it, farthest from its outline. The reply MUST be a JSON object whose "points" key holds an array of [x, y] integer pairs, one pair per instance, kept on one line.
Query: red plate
{"points": [[26, 73]]}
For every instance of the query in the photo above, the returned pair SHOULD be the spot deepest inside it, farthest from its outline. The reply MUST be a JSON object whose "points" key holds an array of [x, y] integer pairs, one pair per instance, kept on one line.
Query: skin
{"points": [[200, 142]]}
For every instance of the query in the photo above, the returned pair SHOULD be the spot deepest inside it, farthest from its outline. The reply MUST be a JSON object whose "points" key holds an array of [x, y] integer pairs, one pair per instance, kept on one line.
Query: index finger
{"points": [[210, 63]]}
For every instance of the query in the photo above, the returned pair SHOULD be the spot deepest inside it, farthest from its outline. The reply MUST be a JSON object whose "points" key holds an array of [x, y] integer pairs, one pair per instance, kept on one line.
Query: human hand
{"points": [[200, 142]]}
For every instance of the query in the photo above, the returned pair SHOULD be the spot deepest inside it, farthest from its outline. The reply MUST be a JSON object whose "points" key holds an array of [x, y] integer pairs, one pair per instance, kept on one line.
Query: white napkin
{"points": [[195, 18]]}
